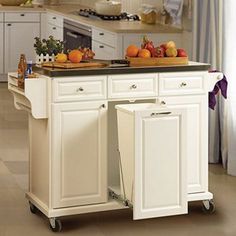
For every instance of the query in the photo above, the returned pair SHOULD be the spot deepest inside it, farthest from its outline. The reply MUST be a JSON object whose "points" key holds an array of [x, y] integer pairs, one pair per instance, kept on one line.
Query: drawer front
{"points": [[83, 88], [55, 19], [22, 17], [55, 31], [132, 86], [1, 17], [182, 83], [103, 51], [104, 37]]}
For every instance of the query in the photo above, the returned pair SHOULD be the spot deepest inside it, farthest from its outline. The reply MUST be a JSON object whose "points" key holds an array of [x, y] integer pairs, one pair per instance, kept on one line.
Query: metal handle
{"points": [[101, 46], [22, 14], [80, 89], [54, 18], [54, 28], [75, 36], [101, 34], [134, 86], [8, 24], [160, 113], [183, 84]]}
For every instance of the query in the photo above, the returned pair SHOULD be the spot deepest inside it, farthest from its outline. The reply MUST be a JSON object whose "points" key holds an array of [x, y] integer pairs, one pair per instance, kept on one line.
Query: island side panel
{"points": [[39, 159]]}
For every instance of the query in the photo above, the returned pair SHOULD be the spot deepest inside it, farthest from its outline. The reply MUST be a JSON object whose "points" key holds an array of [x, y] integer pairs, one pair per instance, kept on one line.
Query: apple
{"points": [[181, 52], [170, 44]]}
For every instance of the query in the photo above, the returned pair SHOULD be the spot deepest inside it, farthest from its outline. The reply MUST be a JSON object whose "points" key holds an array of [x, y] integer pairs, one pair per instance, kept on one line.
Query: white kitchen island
{"points": [[75, 162]]}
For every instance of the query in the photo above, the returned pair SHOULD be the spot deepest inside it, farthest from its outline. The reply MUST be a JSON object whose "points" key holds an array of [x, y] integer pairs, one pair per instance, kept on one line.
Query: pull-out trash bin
{"points": [[152, 146]]}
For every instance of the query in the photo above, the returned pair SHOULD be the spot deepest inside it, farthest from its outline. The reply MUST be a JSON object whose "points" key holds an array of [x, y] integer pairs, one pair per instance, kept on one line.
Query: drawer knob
{"points": [[80, 89], [183, 84], [22, 14], [101, 34], [163, 103], [101, 46], [134, 86], [54, 28], [54, 18]]}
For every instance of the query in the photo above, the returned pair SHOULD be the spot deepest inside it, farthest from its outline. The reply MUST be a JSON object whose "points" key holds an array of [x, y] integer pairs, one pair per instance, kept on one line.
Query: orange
{"points": [[144, 53], [75, 56], [132, 51], [61, 57]]}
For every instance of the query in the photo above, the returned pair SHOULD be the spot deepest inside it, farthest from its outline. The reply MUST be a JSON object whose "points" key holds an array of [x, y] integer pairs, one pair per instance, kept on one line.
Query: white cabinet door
{"points": [[197, 127], [79, 174], [19, 38], [1, 48], [103, 51], [55, 31], [160, 186]]}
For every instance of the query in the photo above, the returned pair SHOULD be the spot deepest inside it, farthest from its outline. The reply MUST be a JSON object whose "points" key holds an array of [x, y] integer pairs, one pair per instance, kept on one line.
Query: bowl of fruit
{"points": [[150, 55]]}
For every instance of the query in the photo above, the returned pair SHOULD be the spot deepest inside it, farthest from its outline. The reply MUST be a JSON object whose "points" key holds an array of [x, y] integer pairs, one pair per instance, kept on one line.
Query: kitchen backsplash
{"points": [[128, 5]]}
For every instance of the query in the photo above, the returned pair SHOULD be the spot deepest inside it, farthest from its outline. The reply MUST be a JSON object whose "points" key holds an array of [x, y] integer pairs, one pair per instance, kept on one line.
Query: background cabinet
{"points": [[54, 26], [79, 153], [1, 48], [19, 38]]}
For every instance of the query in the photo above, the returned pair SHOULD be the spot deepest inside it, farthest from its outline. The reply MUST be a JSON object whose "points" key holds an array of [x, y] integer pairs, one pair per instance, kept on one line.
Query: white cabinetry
{"points": [[55, 26], [79, 154], [144, 131], [197, 149], [1, 47], [104, 44], [20, 31]]}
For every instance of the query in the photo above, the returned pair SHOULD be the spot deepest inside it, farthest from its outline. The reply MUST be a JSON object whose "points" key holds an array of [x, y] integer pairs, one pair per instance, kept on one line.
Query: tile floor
{"points": [[16, 220]]}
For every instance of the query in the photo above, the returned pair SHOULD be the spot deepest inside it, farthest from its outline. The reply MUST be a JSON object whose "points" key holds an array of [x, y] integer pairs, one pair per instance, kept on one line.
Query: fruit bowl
{"points": [[11, 2], [157, 61]]}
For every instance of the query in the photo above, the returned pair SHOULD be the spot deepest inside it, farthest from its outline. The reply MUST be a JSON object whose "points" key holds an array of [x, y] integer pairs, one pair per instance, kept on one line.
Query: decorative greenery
{"points": [[48, 46]]}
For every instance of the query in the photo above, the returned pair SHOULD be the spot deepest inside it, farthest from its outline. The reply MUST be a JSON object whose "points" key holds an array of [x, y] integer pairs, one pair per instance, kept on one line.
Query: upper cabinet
{"points": [[20, 31]]}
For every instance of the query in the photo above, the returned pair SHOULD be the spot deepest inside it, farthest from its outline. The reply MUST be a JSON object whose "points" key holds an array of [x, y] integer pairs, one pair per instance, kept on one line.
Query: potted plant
{"points": [[47, 49]]}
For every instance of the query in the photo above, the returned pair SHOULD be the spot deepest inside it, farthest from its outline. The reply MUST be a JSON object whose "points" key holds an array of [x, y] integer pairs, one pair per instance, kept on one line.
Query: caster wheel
{"points": [[208, 206], [55, 225], [33, 208]]}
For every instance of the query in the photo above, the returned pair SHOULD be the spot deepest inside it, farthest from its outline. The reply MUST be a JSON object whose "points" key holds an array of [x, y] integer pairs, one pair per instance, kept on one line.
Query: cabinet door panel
{"points": [[1, 48], [197, 126], [19, 38], [160, 163], [79, 154], [55, 31]]}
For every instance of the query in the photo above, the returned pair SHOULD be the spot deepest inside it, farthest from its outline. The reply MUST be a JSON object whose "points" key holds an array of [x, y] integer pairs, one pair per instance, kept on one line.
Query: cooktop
{"points": [[93, 15]]}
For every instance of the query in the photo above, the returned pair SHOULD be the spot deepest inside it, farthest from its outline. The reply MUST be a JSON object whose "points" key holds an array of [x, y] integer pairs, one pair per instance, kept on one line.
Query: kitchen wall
{"points": [[128, 5]]}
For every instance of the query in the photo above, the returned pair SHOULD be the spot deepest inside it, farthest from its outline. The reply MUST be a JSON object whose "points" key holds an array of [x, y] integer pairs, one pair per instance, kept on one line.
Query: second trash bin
{"points": [[152, 146]]}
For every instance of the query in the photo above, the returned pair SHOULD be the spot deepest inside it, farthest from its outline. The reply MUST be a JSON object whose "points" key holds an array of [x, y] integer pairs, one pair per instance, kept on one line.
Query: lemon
{"points": [[61, 57]]}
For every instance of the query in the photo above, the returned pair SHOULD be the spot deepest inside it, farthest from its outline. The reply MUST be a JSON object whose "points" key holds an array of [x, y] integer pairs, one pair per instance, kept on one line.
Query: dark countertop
{"points": [[55, 72]]}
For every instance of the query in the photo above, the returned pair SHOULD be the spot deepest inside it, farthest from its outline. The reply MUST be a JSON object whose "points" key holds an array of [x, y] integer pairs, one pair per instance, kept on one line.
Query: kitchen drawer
{"points": [[132, 86], [1, 17], [22, 17], [103, 51], [182, 83], [76, 89], [104, 37], [55, 20], [55, 31]]}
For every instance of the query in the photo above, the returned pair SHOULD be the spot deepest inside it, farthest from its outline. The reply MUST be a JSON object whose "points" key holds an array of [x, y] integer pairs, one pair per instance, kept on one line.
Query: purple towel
{"points": [[222, 86]]}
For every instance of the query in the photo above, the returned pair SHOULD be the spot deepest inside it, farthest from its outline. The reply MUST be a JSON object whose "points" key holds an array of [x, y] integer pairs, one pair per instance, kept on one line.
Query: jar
{"points": [[148, 14]]}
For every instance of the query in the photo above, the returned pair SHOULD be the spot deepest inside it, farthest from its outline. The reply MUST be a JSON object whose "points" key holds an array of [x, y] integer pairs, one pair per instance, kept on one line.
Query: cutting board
{"points": [[70, 65], [157, 61]]}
